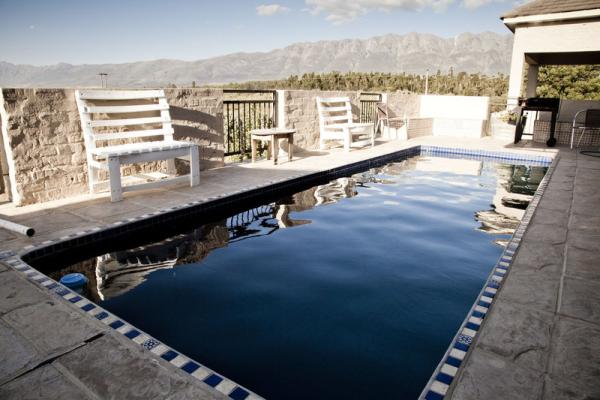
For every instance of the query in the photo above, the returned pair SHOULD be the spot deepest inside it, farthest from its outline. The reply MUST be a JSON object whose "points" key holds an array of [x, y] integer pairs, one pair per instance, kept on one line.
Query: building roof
{"points": [[539, 7]]}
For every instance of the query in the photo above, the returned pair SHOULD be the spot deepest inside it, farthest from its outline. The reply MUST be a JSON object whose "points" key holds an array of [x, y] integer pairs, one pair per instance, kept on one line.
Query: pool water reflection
{"points": [[351, 289]]}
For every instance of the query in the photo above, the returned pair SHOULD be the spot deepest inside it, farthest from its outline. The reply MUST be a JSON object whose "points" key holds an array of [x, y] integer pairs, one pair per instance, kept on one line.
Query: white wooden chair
{"points": [[131, 109], [335, 123]]}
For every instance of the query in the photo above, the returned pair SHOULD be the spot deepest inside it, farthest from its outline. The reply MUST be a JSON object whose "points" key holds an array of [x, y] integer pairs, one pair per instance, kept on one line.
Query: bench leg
{"points": [[93, 177], [373, 137], [275, 147], [114, 173], [290, 144], [171, 169], [253, 143], [347, 139], [194, 166]]}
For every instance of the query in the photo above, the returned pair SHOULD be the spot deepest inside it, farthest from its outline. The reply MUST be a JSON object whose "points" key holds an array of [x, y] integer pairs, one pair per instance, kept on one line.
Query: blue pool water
{"points": [[351, 290]]}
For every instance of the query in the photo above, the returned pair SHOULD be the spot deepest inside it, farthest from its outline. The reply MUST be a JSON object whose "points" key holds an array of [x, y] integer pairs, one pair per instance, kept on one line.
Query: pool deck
{"points": [[541, 339]]}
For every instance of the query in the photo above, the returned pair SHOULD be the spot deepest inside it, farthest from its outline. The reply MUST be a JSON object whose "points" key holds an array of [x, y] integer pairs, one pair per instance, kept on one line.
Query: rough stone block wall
{"points": [[562, 133], [420, 127], [301, 114], [402, 103], [48, 152], [197, 116]]}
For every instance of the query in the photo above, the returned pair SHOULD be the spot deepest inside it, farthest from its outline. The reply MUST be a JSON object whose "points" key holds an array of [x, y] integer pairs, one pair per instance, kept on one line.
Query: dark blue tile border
{"points": [[440, 383]]}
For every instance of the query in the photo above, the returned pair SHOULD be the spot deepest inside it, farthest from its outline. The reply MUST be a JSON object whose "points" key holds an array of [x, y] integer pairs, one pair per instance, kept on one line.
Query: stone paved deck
{"points": [[541, 339], [51, 350]]}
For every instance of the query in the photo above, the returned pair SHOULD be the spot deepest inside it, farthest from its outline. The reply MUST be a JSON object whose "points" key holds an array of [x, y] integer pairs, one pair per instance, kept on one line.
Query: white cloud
{"points": [[475, 3], [340, 11], [472, 4], [32, 27], [267, 10]]}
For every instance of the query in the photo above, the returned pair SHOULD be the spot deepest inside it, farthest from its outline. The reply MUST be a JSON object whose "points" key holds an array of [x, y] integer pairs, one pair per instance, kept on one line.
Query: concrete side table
{"points": [[272, 137]]}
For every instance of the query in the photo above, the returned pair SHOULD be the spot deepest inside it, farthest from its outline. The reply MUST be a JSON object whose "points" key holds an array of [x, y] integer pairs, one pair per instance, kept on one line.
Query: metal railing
{"points": [[368, 106], [243, 111], [258, 221]]}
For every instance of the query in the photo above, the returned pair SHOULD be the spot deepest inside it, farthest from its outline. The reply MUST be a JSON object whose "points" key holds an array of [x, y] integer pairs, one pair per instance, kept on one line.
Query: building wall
{"points": [[418, 127], [45, 148], [549, 38], [402, 104], [301, 114]]}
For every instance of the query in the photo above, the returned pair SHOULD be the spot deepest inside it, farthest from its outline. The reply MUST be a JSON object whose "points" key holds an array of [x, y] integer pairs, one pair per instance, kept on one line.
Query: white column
{"points": [[281, 108], [515, 82], [15, 197], [282, 144], [532, 79]]}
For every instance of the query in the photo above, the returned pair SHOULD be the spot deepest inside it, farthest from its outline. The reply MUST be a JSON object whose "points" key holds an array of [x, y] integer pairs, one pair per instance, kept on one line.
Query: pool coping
{"points": [[457, 353], [18, 260]]}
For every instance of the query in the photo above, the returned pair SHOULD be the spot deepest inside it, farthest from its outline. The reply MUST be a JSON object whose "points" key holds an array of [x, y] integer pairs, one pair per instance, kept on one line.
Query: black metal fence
{"points": [[368, 106], [243, 111], [258, 221]]}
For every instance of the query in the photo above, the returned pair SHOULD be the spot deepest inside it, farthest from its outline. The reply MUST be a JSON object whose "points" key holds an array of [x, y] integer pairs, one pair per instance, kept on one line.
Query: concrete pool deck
{"points": [[541, 339], [52, 350]]}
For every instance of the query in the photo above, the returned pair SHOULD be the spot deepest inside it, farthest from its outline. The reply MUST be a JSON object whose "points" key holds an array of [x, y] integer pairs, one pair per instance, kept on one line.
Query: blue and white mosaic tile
{"points": [[220, 383], [441, 380]]}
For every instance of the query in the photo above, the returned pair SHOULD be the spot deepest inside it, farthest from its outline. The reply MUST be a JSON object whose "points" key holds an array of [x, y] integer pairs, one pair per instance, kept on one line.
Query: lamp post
{"points": [[103, 80]]}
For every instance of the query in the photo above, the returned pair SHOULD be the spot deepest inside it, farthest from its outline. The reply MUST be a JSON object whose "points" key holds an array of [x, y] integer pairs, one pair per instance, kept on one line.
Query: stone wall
{"points": [[403, 103], [562, 133], [44, 142], [301, 114], [419, 127], [45, 149], [197, 116]]}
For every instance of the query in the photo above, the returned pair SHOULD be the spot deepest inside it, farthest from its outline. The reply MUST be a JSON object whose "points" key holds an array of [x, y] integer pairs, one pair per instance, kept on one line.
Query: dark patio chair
{"points": [[591, 121]]}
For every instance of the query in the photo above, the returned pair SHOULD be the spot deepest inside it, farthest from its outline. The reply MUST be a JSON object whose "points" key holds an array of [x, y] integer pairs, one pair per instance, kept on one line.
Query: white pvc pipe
{"points": [[22, 229]]}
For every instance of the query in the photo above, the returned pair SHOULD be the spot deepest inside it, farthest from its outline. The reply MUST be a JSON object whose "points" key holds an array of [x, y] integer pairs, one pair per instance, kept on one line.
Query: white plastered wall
{"points": [[551, 38], [457, 116], [7, 154]]}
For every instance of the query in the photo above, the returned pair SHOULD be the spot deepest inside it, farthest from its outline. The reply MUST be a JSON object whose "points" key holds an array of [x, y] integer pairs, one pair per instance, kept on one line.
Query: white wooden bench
{"points": [[127, 115], [335, 123]]}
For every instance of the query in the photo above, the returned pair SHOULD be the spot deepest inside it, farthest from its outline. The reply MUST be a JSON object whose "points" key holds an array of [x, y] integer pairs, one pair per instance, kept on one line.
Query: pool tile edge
{"points": [[440, 382]]}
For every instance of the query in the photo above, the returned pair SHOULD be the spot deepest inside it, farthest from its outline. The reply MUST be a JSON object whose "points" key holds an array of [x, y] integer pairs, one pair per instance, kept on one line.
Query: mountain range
{"points": [[486, 53]]}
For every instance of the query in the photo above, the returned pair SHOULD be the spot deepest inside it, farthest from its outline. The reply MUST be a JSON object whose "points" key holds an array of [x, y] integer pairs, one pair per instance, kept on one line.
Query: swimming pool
{"points": [[351, 288]]}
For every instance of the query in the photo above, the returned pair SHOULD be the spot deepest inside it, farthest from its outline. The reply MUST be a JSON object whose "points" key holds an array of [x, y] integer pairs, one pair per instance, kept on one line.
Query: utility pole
{"points": [[427, 81], [103, 79]]}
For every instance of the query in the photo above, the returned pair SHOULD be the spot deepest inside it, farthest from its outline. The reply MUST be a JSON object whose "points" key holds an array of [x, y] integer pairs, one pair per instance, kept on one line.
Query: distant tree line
{"points": [[568, 82], [460, 83]]}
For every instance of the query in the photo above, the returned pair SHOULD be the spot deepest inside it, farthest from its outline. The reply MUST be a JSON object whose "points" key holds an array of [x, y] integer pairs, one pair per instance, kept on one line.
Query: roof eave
{"points": [[512, 22]]}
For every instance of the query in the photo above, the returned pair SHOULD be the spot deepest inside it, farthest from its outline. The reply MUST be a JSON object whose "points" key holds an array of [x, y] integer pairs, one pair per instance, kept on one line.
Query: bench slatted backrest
{"points": [[334, 110], [136, 104]]}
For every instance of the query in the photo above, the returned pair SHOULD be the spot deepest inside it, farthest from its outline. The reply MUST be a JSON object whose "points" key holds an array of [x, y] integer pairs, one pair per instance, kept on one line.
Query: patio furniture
{"points": [[389, 127], [537, 104], [590, 121], [335, 123], [106, 117], [272, 137]]}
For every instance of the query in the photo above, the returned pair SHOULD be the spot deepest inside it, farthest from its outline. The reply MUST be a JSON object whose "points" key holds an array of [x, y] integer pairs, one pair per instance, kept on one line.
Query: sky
{"points": [[44, 32]]}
